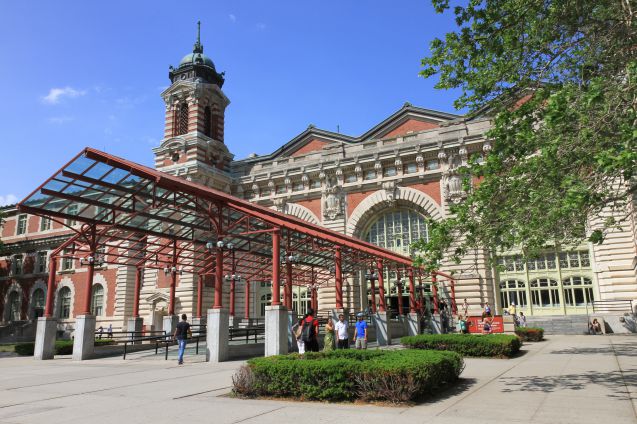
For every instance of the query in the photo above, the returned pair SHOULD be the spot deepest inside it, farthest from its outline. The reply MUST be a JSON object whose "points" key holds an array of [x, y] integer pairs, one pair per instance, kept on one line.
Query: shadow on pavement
{"points": [[615, 381], [462, 385], [619, 349]]}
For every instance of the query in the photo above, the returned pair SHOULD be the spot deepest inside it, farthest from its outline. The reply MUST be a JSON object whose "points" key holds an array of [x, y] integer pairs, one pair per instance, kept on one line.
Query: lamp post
{"points": [[232, 278], [218, 249], [372, 277], [399, 292], [289, 259]]}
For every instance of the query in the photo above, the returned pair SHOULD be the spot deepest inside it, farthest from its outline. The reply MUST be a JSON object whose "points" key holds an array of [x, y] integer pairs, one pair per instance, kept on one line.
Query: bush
{"points": [[345, 375], [489, 345], [530, 334], [62, 347]]}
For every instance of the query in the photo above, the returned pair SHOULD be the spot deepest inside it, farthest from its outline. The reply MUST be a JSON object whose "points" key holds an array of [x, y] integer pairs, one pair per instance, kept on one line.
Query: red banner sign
{"points": [[476, 324]]}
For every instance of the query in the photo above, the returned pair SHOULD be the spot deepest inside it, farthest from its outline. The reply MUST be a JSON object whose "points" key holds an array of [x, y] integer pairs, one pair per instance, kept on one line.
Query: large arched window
{"points": [[97, 301], [397, 229], [207, 121], [38, 303], [545, 293], [513, 291], [182, 119], [578, 291], [64, 303], [14, 302]]}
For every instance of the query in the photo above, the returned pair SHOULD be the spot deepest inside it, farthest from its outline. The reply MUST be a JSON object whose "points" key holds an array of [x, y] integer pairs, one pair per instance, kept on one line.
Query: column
{"points": [[381, 286], [413, 320], [287, 293], [200, 281], [381, 317], [339, 279], [218, 279], [47, 325], [134, 324], [247, 302], [412, 292]]}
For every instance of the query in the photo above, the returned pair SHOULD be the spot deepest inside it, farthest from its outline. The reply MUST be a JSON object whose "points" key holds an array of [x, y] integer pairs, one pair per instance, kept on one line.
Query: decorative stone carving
{"points": [[378, 167], [398, 162], [391, 190], [306, 181], [452, 187], [322, 175], [288, 183], [486, 147], [442, 156], [333, 201], [280, 204], [358, 170], [420, 162], [255, 189]]}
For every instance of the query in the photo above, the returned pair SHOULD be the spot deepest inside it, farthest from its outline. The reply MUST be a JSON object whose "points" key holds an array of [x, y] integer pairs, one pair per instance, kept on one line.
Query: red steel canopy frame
{"points": [[137, 216]]}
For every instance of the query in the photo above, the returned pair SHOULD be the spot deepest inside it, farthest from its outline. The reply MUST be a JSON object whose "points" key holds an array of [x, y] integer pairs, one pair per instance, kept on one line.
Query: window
{"points": [[579, 259], [102, 212], [513, 291], [281, 189], [315, 184], [545, 293], [45, 224], [214, 124], [390, 171], [207, 121], [181, 125], [370, 175], [432, 164], [578, 291], [41, 262], [511, 263], [265, 192], [397, 229], [67, 260], [64, 303], [38, 303], [18, 263], [22, 224], [14, 306], [266, 300], [410, 168], [97, 300], [298, 186], [350, 178], [72, 209]]}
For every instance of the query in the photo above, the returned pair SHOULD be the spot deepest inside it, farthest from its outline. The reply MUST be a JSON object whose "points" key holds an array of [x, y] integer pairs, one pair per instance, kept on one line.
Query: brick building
{"points": [[379, 186]]}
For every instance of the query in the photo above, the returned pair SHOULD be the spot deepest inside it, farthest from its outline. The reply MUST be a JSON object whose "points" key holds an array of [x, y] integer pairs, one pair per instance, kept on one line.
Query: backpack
{"points": [[308, 332]]}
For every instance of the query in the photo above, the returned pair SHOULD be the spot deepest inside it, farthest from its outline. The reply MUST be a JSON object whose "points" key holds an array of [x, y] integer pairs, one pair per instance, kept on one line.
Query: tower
{"points": [[193, 145]]}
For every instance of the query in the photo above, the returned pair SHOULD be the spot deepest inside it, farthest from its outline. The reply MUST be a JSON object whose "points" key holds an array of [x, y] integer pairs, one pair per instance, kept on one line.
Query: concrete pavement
{"points": [[566, 379]]}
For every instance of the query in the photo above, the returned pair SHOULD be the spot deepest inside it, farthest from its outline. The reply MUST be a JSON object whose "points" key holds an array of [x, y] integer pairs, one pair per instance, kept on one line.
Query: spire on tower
{"points": [[198, 48]]}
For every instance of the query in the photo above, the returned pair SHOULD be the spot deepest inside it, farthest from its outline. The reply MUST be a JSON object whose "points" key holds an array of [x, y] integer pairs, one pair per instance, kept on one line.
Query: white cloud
{"points": [[57, 94], [260, 26], [233, 18], [9, 199], [59, 120]]}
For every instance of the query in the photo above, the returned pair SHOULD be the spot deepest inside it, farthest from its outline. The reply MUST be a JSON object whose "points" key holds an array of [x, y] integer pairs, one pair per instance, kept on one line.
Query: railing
{"points": [[247, 332], [612, 306]]}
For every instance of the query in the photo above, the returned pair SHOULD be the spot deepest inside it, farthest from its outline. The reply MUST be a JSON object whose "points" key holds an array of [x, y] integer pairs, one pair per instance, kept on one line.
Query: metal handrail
{"points": [[619, 305]]}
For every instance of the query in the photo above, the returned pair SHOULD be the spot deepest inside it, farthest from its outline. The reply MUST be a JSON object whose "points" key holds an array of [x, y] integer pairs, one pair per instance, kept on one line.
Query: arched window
{"points": [[207, 121], [545, 293], [397, 229], [38, 303], [14, 303], [214, 124], [182, 119], [513, 291], [64, 302], [578, 291], [97, 301]]}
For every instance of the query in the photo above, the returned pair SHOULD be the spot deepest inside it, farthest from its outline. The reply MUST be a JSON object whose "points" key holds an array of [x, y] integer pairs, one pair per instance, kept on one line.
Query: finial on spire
{"points": [[198, 48]]}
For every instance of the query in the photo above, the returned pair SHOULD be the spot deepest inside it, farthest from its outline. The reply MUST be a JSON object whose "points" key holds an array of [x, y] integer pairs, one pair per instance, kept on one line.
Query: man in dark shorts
{"points": [[182, 331]]}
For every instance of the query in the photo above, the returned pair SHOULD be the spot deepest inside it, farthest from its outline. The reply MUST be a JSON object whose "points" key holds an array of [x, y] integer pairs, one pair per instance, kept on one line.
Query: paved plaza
{"points": [[566, 379]]}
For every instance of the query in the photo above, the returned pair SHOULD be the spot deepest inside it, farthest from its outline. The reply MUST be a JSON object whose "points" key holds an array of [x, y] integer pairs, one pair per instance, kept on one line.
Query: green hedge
{"points": [[489, 345], [62, 347], [530, 334], [345, 375]]}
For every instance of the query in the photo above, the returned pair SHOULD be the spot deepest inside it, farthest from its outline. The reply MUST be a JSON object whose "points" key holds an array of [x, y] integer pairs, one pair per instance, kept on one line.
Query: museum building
{"points": [[381, 186]]}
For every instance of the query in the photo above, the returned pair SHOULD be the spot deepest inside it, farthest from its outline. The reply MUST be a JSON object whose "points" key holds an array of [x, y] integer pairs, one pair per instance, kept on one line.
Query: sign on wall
{"points": [[475, 324]]}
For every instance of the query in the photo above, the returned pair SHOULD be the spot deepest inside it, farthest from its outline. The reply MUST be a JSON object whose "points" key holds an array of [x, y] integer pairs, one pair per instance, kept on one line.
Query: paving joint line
{"points": [[621, 372], [258, 415]]}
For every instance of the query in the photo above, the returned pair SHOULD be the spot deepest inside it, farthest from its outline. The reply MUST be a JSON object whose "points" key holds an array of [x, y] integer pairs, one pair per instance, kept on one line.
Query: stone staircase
{"points": [[560, 324]]}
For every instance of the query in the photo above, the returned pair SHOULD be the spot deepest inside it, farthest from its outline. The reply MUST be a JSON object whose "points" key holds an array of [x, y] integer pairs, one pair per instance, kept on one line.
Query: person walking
{"points": [[328, 340], [110, 331], [298, 332], [360, 335], [342, 333], [465, 308], [182, 331], [309, 332]]}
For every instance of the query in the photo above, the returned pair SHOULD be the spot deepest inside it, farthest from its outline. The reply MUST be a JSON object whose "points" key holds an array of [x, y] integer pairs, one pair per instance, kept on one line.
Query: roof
{"points": [[148, 218]]}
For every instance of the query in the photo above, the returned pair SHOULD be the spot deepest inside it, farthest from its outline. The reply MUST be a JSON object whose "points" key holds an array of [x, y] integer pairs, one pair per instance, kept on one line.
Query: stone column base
{"points": [[135, 324], [169, 324], [84, 341], [383, 329], [217, 346], [45, 338], [276, 330], [412, 323]]}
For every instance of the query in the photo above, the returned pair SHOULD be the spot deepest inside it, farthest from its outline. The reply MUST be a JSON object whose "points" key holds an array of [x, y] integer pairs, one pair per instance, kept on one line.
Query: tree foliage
{"points": [[558, 79]]}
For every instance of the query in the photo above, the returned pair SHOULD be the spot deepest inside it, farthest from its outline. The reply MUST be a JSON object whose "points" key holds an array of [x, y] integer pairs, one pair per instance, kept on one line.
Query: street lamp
{"points": [[91, 261]]}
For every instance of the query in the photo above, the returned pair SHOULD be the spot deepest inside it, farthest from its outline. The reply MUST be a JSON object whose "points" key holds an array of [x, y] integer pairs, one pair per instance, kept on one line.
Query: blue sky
{"points": [[84, 73]]}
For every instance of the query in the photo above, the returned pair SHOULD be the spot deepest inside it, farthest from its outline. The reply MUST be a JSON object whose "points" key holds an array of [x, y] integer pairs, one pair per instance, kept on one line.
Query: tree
{"points": [[558, 77]]}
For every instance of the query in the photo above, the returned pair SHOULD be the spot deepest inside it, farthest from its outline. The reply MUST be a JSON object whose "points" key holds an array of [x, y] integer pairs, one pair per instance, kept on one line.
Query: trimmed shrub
{"points": [[346, 375], [530, 334], [489, 345], [62, 347]]}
